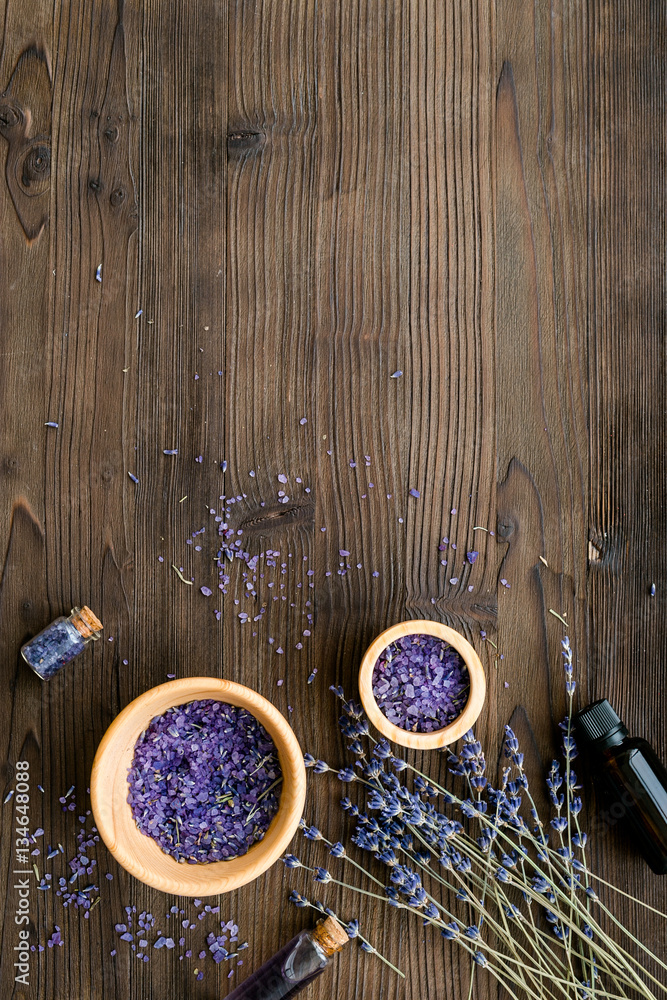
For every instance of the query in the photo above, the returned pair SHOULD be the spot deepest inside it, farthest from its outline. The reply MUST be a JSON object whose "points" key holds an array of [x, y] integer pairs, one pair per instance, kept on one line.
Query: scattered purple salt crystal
{"points": [[282, 478], [505, 583], [343, 552], [51, 423], [98, 273], [138, 314], [56, 938], [170, 451], [420, 683], [397, 374], [206, 591], [133, 477], [8, 796], [652, 590], [223, 466], [304, 420], [472, 556], [454, 579], [415, 493], [113, 952], [202, 781]]}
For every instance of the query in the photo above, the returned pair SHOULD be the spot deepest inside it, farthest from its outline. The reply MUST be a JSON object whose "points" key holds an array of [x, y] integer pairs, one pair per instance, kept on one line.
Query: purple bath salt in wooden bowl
{"points": [[205, 781], [198, 786], [422, 684]]}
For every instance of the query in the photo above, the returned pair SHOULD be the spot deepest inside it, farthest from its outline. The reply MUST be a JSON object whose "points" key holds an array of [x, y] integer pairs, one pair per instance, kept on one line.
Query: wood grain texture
{"points": [[289, 202]]}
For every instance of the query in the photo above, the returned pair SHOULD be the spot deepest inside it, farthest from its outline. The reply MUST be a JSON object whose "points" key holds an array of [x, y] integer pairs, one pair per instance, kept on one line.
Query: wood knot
{"points": [[111, 133], [36, 168], [117, 196], [268, 520], [505, 528], [244, 140], [95, 184], [11, 115]]}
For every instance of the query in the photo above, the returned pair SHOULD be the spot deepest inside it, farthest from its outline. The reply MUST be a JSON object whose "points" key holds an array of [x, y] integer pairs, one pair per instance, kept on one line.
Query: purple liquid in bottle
{"points": [[295, 965]]}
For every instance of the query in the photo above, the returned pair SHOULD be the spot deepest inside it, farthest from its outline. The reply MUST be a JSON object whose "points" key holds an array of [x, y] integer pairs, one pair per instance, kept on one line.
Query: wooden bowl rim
{"points": [[461, 724], [138, 853]]}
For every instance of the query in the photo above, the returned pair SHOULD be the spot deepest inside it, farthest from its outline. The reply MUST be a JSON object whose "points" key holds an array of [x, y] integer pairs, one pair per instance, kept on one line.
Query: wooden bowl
{"points": [[461, 724], [138, 853]]}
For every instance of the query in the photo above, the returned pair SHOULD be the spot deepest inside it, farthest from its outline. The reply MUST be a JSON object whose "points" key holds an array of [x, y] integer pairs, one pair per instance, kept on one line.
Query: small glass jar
{"points": [[61, 641]]}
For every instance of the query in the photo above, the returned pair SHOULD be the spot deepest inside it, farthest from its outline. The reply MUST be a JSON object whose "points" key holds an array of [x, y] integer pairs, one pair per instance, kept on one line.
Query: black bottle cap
{"points": [[599, 725]]}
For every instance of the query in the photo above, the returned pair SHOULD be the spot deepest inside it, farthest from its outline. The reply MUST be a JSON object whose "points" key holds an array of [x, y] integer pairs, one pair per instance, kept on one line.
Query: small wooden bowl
{"points": [[461, 724], [138, 853]]}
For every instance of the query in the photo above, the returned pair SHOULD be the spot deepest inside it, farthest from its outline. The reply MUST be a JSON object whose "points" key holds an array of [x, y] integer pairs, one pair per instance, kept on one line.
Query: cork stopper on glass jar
{"points": [[62, 640]]}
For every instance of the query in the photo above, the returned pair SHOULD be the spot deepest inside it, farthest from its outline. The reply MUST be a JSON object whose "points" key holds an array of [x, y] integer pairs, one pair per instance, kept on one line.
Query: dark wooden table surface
{"points": [[299, 199]]}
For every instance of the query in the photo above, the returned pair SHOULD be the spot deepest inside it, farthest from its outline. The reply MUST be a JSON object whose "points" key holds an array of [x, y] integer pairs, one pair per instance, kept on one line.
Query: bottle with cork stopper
{"points": [[62, 640], [295, 965]]}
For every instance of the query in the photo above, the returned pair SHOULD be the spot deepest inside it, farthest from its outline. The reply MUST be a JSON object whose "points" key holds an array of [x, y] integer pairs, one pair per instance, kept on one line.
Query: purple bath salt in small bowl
{"points": [[205, 781], [420, 683]]}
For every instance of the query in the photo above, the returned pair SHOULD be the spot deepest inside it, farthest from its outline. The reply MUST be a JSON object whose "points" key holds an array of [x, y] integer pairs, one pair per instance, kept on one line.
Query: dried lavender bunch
{"points": [[521, 899]]}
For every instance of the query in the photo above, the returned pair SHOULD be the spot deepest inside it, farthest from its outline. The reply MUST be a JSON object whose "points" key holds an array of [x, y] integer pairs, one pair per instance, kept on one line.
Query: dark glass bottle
{"points": [[295, 965], [634, 779]]}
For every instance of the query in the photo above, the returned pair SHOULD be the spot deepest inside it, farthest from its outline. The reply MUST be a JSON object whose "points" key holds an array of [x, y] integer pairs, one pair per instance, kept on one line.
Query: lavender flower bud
{"points": [[312, 833], [480, 958], [382, 750], [337, 850], [353, 709], [320, 767], [291, 861], [451, 931], [322, 875], [352, 928], [296, 898]]}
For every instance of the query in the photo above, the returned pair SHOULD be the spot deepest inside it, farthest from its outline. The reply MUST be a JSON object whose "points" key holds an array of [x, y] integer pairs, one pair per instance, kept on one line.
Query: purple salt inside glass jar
{"points": [[420, 683], [204, 781]]}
